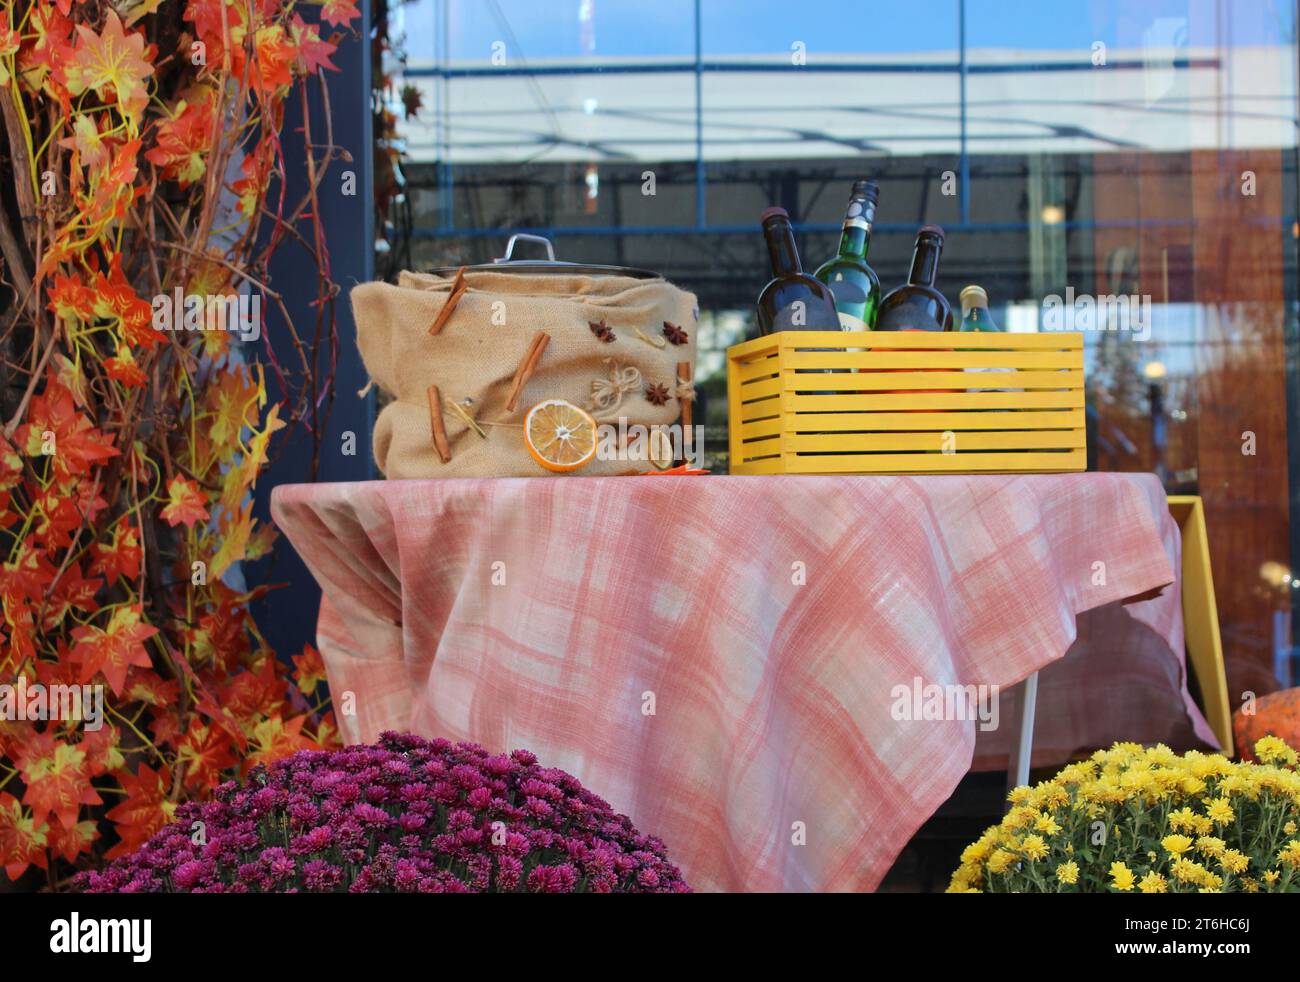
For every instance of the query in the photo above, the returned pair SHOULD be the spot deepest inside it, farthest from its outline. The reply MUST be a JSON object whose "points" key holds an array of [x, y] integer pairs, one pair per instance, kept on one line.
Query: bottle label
{"points": [[857, 221], [850, 323]]}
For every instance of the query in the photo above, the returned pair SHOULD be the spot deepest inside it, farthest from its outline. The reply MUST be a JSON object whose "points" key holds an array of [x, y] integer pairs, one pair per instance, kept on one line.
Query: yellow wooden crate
{"points": [[899, 403]]}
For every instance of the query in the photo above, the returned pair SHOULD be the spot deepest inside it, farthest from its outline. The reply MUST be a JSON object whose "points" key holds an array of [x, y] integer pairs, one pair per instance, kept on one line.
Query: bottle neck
{"points": [[781, 249], [855, 240], [925, 263]]}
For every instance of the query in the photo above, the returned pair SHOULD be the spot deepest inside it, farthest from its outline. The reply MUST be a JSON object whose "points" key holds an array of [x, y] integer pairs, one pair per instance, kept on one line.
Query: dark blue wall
{"points": [[287, 616]]}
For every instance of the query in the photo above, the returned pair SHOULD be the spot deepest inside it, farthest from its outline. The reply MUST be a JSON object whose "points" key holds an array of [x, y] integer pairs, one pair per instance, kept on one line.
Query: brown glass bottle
{"points": [[917, 305], [792, 300]]}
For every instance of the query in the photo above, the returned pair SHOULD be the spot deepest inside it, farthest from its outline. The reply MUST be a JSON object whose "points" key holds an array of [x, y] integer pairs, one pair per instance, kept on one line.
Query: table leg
{"points": [[1025, 732]]}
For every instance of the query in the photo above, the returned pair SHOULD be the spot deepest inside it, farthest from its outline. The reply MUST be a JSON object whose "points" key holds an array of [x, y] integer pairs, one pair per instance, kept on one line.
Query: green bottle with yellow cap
{"points": [[975, 314]]}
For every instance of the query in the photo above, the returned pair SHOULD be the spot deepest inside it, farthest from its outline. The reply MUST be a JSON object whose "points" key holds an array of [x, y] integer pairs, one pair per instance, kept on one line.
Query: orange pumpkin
{"points": [[1276, 714]]}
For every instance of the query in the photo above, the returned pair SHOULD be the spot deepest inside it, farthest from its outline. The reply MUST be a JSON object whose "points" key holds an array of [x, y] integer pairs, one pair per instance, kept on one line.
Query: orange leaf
{"points": [[234, 540], [22, 840], [338, 12], [205, 751], [185, 503], [111, 62], [145, 810], [111, 651], [309, 669], [56, 778]]}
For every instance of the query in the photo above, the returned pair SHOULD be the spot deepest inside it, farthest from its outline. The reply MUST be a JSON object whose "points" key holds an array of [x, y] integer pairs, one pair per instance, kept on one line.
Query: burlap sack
{"points": [[477, 352]]}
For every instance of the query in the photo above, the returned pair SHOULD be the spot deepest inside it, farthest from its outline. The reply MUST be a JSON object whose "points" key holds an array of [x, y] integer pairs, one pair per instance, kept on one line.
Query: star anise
{"points": [[674, 333], [657, 393], [602, 331]]}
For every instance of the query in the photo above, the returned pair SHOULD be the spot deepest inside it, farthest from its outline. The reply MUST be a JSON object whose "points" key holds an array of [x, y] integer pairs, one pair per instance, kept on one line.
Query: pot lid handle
{"points": [[510, 246]]}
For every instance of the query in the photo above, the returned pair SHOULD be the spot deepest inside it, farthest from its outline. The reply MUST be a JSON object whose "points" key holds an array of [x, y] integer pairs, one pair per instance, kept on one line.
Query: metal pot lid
{"points": [[508, 264]]}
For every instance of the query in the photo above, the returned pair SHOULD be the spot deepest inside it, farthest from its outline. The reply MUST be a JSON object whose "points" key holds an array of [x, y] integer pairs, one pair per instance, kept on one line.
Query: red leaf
{"points": [[56, 778], [145, 810], [185, 503], [111, 651], [22, 838]]}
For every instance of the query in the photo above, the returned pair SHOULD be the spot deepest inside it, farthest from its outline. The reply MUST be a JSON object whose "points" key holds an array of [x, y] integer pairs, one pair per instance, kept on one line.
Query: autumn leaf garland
{"points": [[127, 455]]}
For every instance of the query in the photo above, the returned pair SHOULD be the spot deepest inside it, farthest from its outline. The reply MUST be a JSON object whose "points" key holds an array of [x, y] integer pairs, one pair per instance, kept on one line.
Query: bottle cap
{"points": [[866, 189], [774, 212], [934, 230], [976, 295]]}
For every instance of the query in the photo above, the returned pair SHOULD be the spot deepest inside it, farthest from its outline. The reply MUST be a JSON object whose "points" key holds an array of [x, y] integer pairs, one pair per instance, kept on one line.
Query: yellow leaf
{"points": [[142, 9], [234, 541]]}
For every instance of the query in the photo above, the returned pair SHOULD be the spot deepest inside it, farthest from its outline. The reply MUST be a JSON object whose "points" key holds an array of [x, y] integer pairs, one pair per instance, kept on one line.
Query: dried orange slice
{"points": [[560, 436]]}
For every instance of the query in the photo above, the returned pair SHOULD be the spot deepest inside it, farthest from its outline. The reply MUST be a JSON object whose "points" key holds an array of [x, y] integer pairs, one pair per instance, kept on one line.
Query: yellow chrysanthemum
{"points": [[1034, 847], [1188, 871], [1234, 861], [1153, 882], [1290, 853], [1001, 861], [1047, 825], [1019, 795], [1176, 844], [1220, 811], [1210, 846], [977, 851], [1271, 876], [1191, 784], [1121, 876], [1020, 817], [1273, 750], [1182, 820], [1289, 828], [1161, 755], [1068, 872]]}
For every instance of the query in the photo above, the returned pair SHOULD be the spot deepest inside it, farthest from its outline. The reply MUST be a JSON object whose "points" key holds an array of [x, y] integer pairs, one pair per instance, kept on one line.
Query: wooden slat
{"points": [[893, 401], [1041, 462], [887, 381], [958, 360], [767, 465], [751, 370], [1045, 341], [753, 348], [758, 390], [761, 428], [923, 443], [1028, 419], [1201, 618]]}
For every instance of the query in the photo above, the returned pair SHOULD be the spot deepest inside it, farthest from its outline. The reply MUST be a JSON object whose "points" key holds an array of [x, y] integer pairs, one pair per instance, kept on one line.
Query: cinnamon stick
{"points": [[437, 425], [684, 376], [526, 368], [458, 290]]}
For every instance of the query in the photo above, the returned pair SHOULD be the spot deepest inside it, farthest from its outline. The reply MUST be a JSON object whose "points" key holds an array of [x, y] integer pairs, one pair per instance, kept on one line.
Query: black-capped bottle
{"points": [[792, 300], [917, 305], [855, 284]]}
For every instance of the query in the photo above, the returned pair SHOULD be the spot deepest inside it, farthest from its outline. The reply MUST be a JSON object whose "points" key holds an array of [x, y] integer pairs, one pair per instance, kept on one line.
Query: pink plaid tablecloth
{"points": [[719, 657]]}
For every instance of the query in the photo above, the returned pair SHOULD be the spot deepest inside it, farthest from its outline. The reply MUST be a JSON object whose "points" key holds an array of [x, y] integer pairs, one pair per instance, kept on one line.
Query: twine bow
{"points": [[607, 394]]}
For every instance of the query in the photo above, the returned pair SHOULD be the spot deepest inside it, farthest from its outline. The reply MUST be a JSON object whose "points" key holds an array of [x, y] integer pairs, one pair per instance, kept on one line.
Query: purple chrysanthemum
{"points": [[406, 815]]}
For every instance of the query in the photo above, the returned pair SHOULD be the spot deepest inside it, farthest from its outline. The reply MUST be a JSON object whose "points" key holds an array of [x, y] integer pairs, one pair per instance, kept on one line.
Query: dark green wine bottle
{"points": [[855, 284], [792, 300], [917, 305]]}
